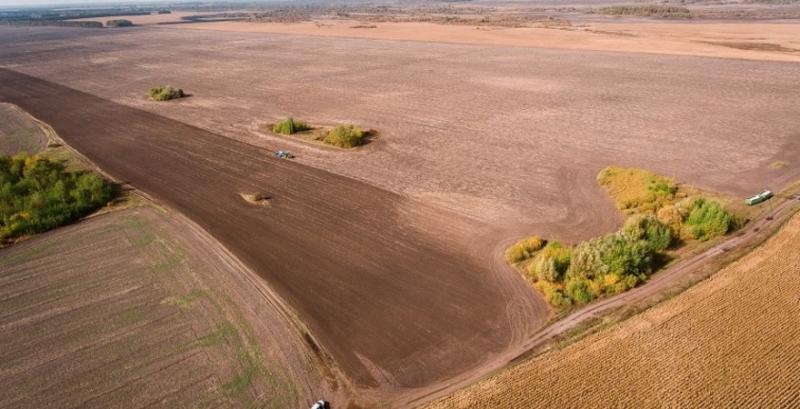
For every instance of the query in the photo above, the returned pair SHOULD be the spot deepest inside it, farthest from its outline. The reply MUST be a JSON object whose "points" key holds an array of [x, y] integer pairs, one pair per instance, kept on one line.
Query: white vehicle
{"points": [[321, 404]]}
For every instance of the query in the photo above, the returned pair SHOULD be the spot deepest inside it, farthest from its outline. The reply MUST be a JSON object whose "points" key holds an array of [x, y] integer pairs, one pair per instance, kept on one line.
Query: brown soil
{"points": [[139, 308], [732, 341], [499, 134], [702, 38], [396, 291], [510, 137]]}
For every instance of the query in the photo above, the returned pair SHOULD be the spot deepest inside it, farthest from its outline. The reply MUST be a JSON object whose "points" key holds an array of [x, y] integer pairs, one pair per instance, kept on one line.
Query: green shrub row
{"points": [[37, 194]]}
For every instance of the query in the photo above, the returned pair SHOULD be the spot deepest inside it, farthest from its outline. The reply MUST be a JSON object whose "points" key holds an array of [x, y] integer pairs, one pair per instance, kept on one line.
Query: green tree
{"points": [[708, 219], [37, 194]]}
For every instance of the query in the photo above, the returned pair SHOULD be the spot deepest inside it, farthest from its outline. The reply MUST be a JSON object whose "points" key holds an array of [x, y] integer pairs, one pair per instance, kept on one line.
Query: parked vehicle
{"points": [[321, 404], [284, 155], [761, 197]]}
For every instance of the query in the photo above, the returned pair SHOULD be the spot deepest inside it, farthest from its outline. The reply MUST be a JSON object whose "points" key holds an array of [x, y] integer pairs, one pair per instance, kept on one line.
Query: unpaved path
{"points": [[392, 289], [656, 285]]}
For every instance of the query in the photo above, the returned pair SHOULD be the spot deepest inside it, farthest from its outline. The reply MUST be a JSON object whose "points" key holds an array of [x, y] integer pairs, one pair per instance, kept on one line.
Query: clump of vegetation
{"points": [[647, 10], [165, 93], [637, 190], [290, 126], [551, 263], [660, 214], [37, 194], [345, 136], [524, 249], [708, 219], [119, 23], [648, 228]]}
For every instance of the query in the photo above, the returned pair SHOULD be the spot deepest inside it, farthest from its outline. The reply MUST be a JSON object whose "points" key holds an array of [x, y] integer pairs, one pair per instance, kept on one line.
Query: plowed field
{"points": [[399, 293]]}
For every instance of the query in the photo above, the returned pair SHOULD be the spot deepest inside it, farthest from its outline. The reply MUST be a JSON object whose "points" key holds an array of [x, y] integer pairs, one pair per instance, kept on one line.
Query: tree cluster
{"points": [[37, 194]]}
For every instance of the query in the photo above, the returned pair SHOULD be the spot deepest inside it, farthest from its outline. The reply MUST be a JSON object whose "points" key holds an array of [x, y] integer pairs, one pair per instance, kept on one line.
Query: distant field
{"points": [[148, 19], [755, 40], [512, 136], [127, 309], [732, 341], [19, 132]]}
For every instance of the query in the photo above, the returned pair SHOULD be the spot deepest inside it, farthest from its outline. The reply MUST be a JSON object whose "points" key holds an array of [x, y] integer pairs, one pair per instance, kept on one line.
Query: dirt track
{"points": [[385, 284], [730, 341], [657, 285]]}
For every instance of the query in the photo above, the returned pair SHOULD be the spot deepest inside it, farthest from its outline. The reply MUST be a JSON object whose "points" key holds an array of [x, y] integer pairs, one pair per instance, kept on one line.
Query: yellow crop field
{"points": [[730, 342]]}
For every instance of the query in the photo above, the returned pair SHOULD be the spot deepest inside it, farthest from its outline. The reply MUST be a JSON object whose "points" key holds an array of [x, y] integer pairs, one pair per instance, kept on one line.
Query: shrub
{"points": [[289, 126], [551, 263], [345, 136], [612, 263], [637, 190], [119, 23], [671, 217], [708, 219], [553, 293], [524, 249], [37, 194], [165, 93], [646, 227], [578, 291]]}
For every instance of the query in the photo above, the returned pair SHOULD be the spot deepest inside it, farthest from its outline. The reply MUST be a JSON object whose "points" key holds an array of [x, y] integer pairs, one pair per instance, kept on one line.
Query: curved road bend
{"points": [[655, 285]]}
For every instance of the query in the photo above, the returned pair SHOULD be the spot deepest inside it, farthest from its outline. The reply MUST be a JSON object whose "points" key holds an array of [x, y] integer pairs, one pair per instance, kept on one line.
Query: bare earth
{"points": [[775, 41], [478, 145], [493, 133], [139, 309], [398, 292], [732, 341]]}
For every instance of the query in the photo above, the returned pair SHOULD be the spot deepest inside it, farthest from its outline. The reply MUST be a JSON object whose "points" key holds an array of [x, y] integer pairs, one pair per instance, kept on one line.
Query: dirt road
{"points": [[391, 288], [654, 286]]}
